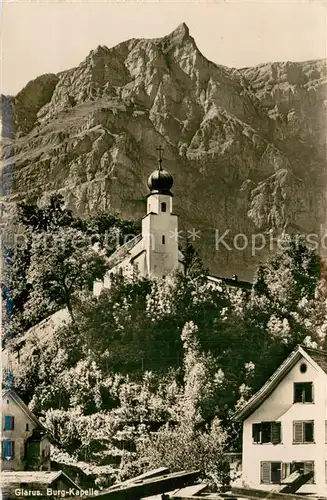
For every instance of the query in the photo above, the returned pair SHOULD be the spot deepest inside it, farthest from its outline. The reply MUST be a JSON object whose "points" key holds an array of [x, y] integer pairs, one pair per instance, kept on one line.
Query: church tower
{"points": [[160, 225]]}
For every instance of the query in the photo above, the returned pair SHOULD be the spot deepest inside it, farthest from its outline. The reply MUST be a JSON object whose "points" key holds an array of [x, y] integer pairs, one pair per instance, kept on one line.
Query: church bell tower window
{"points": [[163, 206]]}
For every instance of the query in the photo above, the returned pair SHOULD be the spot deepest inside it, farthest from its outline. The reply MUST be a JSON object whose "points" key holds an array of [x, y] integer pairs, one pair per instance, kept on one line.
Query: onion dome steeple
{"points": [[160, 181]]}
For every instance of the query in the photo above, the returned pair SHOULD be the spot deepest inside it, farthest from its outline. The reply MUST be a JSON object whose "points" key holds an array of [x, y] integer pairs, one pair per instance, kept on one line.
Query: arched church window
{"points": [[163, 206], [163, 239]]}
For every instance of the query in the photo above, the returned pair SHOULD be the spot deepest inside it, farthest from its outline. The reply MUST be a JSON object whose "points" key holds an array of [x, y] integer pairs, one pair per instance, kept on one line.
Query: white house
{"points": [[24, 442], [284, 424]]}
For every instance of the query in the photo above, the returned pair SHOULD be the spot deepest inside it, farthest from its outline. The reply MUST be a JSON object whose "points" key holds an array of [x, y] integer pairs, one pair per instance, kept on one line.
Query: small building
{"points": [[285, 425], [43, 484], [24, 443]]}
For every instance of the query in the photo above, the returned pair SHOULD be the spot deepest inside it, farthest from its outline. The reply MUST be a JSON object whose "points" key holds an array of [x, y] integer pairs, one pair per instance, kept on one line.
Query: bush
{"points": [[184, 448]]}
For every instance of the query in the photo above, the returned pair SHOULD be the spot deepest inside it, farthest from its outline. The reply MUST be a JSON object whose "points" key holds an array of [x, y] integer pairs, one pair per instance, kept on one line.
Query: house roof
{"points": [[13, 394], [319, 357], [233, 282], [315, 356], [32, 477]]}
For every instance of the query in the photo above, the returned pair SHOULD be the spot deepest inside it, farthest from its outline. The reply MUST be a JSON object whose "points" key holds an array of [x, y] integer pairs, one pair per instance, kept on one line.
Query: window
{"points": [[266, 432], [303, 392], [27, 427], [9, 423], [303, 468], [8, 449], [163, 239], [271, 472], [303, 431], [163, 206]]}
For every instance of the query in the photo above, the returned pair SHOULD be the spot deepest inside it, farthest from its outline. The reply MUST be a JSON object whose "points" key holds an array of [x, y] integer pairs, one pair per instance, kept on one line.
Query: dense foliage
{"points": [[52, 258], [150, 373]]}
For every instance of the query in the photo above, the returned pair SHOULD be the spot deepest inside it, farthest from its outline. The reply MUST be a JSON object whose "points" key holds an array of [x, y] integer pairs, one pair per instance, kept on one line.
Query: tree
{"points": [[61, 264], [50, 216], [192, 263], [183, 448], [289, 276], [16, 289], [193, 437], [44, 232]]}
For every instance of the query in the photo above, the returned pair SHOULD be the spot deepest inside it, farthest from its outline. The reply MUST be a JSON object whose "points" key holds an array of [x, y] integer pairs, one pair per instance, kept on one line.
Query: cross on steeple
{"points": [[160, 149]]}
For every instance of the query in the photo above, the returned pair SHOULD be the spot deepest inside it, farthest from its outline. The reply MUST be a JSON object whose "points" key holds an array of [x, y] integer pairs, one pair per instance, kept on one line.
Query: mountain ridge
{"points": [[251, 140]]}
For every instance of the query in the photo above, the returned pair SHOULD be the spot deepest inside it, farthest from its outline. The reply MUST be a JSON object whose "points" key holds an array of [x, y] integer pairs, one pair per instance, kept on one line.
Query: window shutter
{"points": [[308, 393], [265, 472], [275, 432], [12, 449], [8, 449], [5, 449], [256, 433], [309, 467], [9, 423], [266, 432], [286, 469], [298, 432]]}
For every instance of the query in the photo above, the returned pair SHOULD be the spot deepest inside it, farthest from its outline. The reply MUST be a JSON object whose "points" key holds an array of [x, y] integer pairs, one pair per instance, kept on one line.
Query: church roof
{"points": [[313, 356], [160, 181], [122, 252]]}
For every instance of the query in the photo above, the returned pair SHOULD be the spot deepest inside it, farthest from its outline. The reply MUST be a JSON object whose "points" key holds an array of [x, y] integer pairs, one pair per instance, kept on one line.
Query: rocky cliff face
{"points": [[246, 147]]}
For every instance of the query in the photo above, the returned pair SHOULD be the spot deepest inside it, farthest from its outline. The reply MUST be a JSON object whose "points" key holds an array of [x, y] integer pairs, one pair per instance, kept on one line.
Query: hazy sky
{"points": [[47, 36]]}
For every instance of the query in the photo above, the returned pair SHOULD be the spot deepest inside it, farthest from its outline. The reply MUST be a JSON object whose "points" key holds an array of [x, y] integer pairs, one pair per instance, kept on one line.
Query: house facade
{"points": [[284, 425], [24, 443]]}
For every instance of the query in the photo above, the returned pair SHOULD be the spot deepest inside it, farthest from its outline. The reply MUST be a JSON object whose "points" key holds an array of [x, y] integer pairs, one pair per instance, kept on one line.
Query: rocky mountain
{"points": [[246, 146]]}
